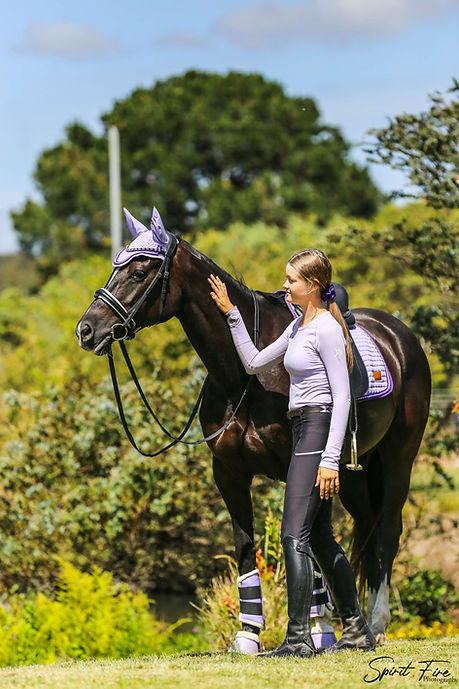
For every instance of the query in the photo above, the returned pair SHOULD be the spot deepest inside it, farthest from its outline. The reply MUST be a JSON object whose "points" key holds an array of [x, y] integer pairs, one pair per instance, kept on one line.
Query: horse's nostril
{"points": [[86, 332]]}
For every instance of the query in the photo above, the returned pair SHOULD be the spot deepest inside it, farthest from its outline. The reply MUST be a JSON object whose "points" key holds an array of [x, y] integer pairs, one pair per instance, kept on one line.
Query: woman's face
{"points": [[297, 289]]}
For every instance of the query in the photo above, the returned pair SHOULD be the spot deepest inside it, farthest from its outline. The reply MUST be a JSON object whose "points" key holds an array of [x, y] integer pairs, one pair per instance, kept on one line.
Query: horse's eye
{"points": [[138, 275]]}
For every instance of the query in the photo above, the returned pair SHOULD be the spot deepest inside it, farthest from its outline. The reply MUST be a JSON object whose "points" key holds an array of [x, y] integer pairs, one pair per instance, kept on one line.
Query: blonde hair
{"points": [[314, 266]]}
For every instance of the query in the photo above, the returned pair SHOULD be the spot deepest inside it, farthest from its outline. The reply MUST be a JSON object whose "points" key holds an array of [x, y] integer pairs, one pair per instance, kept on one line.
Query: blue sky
{"points": [[361, 60]]}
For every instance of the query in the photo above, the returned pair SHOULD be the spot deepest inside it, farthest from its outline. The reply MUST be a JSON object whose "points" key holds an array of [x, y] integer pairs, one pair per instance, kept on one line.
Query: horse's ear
{"points": [[134, 225], [157, 228]]}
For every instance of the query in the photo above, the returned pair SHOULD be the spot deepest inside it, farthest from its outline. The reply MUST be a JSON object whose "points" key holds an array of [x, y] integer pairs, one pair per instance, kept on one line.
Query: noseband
{"points": [[126, 329]]}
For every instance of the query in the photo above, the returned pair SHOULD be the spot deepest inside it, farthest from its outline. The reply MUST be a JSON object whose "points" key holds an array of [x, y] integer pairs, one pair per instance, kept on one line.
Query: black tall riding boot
{"points": [[300, 578], [339, 576]]}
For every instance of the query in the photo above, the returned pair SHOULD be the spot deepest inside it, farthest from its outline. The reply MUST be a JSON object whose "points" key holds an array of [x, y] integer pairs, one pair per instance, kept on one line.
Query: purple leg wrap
{"points": [[251, 599], [323, 634], [245, 642], [323, 640], [320, 595]]}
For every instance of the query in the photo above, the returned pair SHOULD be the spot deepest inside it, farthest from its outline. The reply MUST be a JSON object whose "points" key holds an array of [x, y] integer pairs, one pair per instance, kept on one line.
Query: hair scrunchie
{"points": [[328, 294]]}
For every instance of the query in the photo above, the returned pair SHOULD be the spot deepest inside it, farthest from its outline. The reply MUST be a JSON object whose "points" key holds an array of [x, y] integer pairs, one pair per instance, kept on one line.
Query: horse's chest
{"points": [[251, 449], [275, 380]]}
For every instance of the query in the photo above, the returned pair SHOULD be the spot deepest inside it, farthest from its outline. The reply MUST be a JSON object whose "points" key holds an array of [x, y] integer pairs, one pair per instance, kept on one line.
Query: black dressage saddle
{"points": [[358, 377]]}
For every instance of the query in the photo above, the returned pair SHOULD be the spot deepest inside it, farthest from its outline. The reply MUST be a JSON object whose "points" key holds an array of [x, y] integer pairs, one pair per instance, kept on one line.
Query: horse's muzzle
{"points": [[86, 339]]}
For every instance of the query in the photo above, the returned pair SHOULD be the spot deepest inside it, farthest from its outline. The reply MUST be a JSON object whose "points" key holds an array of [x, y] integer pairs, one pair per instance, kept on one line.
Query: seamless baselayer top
{"points": [[314, 355]]}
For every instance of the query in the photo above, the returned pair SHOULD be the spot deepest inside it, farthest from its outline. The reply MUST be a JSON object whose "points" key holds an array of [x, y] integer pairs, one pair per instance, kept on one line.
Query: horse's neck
{"points": [[204, 324]]}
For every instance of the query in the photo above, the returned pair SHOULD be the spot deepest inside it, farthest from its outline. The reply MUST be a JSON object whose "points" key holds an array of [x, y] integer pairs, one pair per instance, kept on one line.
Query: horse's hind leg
{"points": [[396, 463], [363, 506], [235, 491]]}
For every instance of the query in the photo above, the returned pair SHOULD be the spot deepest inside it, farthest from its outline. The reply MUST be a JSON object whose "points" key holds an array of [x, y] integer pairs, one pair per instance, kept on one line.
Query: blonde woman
{"points": [[316, 352]]}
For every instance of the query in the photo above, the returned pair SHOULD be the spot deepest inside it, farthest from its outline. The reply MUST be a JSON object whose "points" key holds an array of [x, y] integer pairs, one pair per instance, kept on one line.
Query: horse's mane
{"points": [[214, 268], [276, 299]]}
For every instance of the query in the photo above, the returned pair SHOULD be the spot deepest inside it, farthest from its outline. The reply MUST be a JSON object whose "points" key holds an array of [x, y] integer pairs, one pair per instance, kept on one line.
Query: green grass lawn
{"points": [[345, 670]]}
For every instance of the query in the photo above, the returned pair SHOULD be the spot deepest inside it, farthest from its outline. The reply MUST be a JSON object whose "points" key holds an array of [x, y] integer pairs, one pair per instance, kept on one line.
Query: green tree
{"points": [[425, 147], [207, 149]]}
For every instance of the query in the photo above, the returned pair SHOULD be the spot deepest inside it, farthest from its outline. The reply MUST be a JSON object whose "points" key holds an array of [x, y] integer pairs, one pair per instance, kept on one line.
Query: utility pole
{"points": [[115, 188]]}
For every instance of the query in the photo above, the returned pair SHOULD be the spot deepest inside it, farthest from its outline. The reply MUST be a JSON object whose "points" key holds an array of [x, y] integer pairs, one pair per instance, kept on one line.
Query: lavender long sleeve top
{"points": [[314, 355]]}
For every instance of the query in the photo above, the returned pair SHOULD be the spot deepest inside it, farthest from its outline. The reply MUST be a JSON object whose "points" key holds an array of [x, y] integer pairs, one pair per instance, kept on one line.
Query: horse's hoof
{"points": [[245, 642], [381, 638]]}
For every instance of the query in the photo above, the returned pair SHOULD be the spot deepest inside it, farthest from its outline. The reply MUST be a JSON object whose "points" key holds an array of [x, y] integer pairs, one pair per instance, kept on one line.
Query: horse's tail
{"points": [[364, 545]]}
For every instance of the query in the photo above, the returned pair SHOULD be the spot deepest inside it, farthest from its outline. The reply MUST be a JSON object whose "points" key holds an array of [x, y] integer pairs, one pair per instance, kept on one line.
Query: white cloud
{"points": [[270, 25], [66, 39], [182, 39]]}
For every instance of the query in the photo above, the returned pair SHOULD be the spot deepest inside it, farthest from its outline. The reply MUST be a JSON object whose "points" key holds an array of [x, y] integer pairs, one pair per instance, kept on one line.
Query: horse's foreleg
{"points": [[322, 632], [235, 491]]}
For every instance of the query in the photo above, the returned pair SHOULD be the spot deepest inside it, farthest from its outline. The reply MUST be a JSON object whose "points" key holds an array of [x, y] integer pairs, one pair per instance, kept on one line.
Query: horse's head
{"points": [[140, 291]]}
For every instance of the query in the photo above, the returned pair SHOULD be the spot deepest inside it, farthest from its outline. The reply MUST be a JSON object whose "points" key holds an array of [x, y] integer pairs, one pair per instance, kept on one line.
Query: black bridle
{"points": [[126, 329]]}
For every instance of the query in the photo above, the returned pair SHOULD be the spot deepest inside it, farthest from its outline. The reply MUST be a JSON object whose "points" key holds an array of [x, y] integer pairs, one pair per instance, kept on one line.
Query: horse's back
{"points": [[399, 345]]}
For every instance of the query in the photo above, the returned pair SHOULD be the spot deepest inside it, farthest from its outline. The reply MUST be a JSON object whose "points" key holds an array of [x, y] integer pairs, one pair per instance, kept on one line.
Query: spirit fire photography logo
{"points": [[430, 670]]}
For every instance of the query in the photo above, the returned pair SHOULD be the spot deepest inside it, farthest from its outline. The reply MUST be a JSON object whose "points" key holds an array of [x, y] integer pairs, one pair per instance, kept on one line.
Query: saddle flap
{"points": [[358, 377]]}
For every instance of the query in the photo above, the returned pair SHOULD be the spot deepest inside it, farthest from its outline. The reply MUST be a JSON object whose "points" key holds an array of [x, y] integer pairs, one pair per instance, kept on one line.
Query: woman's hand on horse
{"points": [[328, 481], [220, 294]]}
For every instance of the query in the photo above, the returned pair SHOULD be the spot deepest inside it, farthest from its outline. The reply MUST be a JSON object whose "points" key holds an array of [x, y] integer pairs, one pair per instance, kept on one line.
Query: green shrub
{"points": [[88, 617], [425, 596], [72, 486]]}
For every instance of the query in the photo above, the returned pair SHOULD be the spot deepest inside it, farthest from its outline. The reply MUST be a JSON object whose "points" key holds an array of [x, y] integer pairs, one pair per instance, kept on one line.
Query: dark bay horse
{"points": [[258, 439]]}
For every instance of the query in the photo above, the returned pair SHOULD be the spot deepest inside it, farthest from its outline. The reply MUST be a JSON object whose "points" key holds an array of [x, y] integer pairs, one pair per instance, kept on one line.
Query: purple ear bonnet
{"points": [[147, 242]]}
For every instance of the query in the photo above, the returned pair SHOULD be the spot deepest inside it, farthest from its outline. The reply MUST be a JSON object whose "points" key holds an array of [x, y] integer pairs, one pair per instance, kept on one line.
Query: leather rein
{"points": [[126, 330]]}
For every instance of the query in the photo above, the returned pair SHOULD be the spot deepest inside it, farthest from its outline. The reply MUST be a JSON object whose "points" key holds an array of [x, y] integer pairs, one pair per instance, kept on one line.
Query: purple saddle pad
{"points": [[379, 377]]}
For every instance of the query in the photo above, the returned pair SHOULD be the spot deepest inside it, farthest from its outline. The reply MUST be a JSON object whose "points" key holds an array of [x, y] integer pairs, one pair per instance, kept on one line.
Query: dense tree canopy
{"points": [[207, 149], [426, 147]]}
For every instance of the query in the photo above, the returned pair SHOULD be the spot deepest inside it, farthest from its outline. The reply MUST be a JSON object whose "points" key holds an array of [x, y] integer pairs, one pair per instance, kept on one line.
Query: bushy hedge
{"points": [[88, 617], [424, 595], [71, 486]]}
